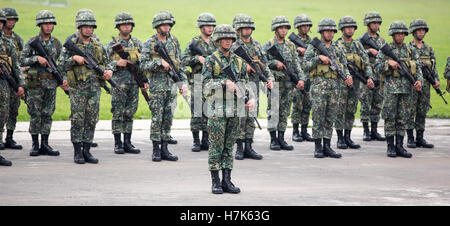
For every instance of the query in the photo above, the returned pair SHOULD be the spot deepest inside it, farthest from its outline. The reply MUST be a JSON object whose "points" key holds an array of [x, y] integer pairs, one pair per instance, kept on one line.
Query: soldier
{"points": [[325, 87], [244, 26], [447, 74], [372, 99], [280, 25], [84, 87], [302, 101], [124, 105], [223, 122], [397, 89], [11, 19], [161, 84], [348, 100], [41, 86], [206, 23], [10, 61], [420, 103]]}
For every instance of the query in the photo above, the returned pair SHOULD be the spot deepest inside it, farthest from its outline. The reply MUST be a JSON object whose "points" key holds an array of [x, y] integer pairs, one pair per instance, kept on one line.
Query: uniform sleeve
{"points": [[26, 57], [266, 71], [272, 63], [140, 72], [188, 58], [15, 66], [415, 57], [182, 68], [112, 65], [297, 67], [365, 58], [447, 69], [147, 64], [65, 62], [380, 66], [434, 69], [311, 59], [343, 59], [105, 59]]}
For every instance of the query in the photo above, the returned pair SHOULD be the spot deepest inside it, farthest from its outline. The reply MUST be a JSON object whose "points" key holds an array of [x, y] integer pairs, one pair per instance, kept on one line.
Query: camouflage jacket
{"points": [[255, 50], [17, 41], [355, 52], [29, 58], [427, 57], [190, 59], [380, 42], [287, 50], [134, 47], [393, 82], [8, 53], [447, 69], [306, 41], [151, 63]]}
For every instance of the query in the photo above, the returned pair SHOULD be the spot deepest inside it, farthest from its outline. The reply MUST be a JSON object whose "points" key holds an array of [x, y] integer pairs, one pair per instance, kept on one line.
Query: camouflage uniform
{"points": [[447, 74], [255, 50], [397, 91], [348, 100], [189, 58], [419, 104], [41, 86], [162, 88], [285, 85], [84, 87], [325, 87], [371, 99], [14, 101], [301, 102], [124, 104]]}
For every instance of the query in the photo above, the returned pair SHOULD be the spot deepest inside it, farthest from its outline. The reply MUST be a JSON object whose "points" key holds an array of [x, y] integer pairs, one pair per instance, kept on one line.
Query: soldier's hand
{"points": [[250, 69], [436, 84], [349, 81], [165, 65], [64, 86], [231, 86], [393, 64], [201, 59], [370, 84], [79, 60], [374, 52], [183, 90], [281, 66], [300, 85], [418, 85], [43, 62], [250, 105], [301, 50], [122, 63], [145, 87], [20, 91], [107, 75], [324, 59], [269, 84]]}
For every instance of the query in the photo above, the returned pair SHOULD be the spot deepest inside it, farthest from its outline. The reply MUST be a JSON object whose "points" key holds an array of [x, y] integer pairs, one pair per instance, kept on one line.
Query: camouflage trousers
{"points": [[282, 111], [14, 103], [198, 123], [123, 107], [418, 106], [4, 106], [161, 105], [223, 133], [301, 107], [324, 97], [40, 107], [84, 106], [371, 104], [395, 113], [347, 106]]}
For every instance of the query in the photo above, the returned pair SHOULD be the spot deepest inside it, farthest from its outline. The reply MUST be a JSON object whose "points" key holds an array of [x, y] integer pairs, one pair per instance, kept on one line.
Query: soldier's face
{"points": [[207, 30], [419, 34], [1, 25], [246, 32], [164, 29], [399, 38], [348, 31], [47, 28], [87, 31], [226, 43], [304, 29], [11, 23], [126, 29], [374, 26], [328, 35], [282, 31]]}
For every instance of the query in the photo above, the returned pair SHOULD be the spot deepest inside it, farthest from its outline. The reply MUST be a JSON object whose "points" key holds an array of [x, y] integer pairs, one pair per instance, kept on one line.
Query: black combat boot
{"points": [[78, 157], [45, 148], [411, 142], [216, 186], [196, 146], [34, 151], [420, 142], [399, 147], [239, 150], [4, 162], [165, 154], [249, 152], [374, 133], [274, 144], [128, 147], [227, 185], [328, 151], [283, 144], [87, 154], [296, 134], [9, 141], [366, 135], [205, 141], [391, 152], [156, 156], [340, 142], [118, 148], [172, 141], [2, 146], [305, 134], [94, 145], [348, 140], [318, 150]]}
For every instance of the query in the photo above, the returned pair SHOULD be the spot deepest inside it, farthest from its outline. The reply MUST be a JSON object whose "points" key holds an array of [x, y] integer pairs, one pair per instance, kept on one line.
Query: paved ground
{"points": [[361, 177]]}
